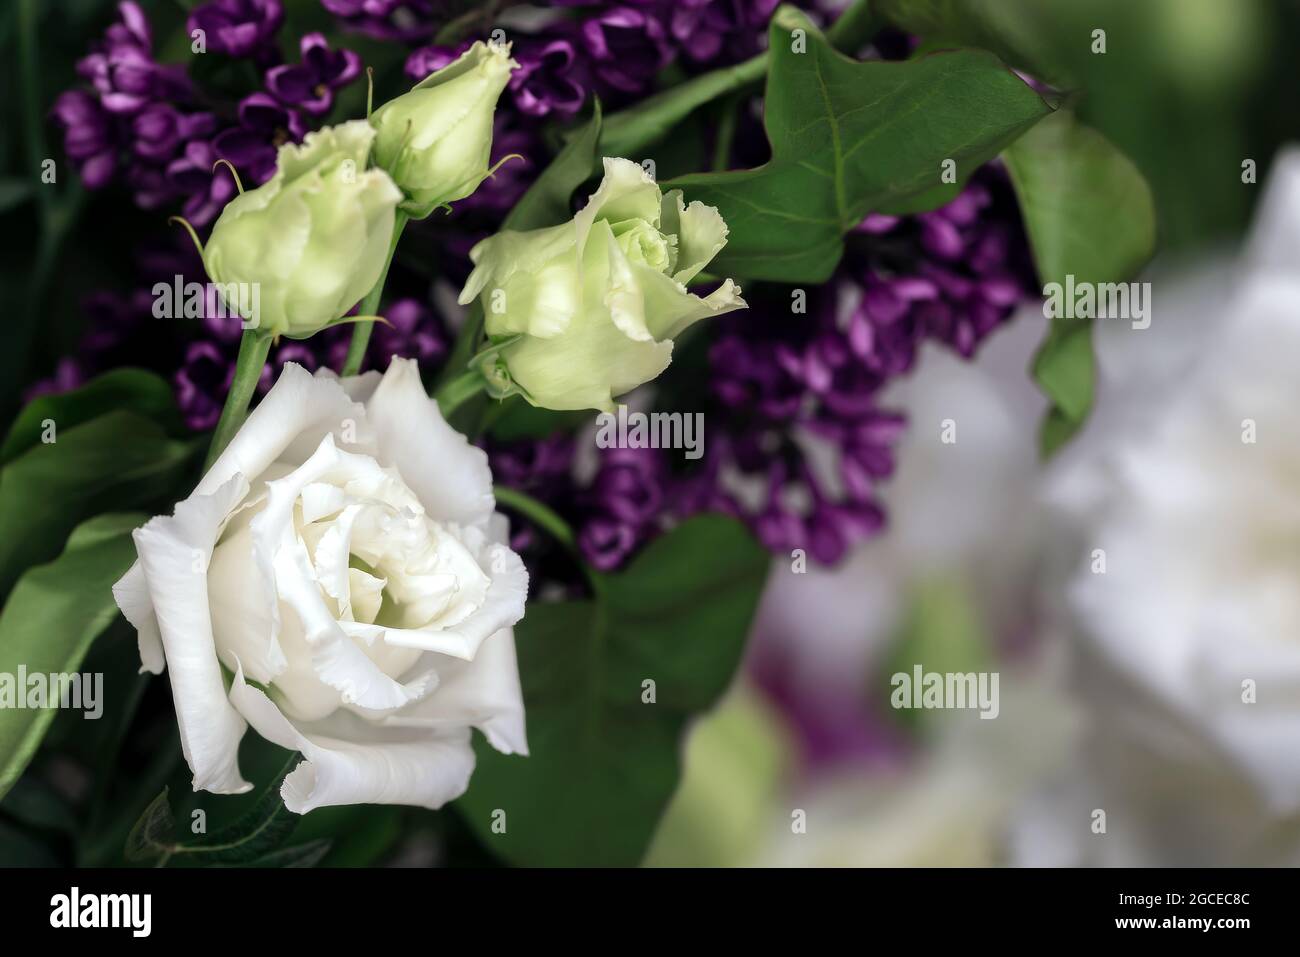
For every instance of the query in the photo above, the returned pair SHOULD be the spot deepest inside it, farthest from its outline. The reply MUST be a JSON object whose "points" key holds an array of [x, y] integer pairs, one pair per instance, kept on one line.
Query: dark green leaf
{"points": [[131, 390], [300, 855], [54, 613], [603, 763], [119, 460], [547, 201], [20, 848], [154, 835], [252, 837], [1090, 215], [14, 191], [1013, 29], [358, 835], [261, 830], [34, 804], [849, 138]]}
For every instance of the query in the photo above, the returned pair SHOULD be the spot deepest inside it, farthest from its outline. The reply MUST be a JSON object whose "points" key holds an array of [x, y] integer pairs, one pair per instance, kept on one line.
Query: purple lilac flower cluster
{"points": [[799, 394], [146, 124]]}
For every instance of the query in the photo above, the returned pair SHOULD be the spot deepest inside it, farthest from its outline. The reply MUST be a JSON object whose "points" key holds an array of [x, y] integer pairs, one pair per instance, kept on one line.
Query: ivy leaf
{"points": [[1089, 214], [50, 620], [848, 138], [604, 762]]}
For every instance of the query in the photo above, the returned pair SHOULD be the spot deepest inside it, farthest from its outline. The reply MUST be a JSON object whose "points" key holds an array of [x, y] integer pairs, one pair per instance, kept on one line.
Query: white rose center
{"points": [[642, 243], [351, 547]]}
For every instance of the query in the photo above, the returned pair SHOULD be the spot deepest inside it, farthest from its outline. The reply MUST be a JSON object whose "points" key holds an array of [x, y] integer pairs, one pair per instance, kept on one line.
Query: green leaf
{"points": [[358, 835], [1090, 215], [514, 418], [848, 138], [603, 763], [34, 804], [54, 613], [1013, 29], [547, 201], [131, 390], [300, 855], [119, 460], [154, 834], [21, 848], [252, 837]]}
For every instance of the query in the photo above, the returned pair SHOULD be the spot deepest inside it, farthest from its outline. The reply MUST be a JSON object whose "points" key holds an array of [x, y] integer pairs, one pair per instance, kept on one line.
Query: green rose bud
{"points": [[312, 240], [588, 310], [435, 140]]}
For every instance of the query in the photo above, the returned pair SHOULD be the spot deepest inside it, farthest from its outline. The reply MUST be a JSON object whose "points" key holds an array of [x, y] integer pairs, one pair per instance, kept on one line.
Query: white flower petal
{"points": [[484, 693], [375, 766], [171, 548], [701, 233], [450, 476], [288, 425], [132, 595], [627, 191]]}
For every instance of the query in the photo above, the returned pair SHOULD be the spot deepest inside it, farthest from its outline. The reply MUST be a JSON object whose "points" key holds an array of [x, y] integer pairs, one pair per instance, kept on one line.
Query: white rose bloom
{"points": [[1186, 478], [343, 563]]}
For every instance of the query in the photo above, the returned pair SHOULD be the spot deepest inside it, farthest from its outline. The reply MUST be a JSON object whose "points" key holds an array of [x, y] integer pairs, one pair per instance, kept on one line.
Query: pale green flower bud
{"points": [[588, 310], [435, 141], [312, 240]]}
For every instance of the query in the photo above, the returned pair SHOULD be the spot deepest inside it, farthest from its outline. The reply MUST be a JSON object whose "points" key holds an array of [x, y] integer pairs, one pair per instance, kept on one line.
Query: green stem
{"points": [[546, 518], [466, 343], [540, 515], [451, 394], [726, 132], [253, 349], [370, 305], [628, 131]]}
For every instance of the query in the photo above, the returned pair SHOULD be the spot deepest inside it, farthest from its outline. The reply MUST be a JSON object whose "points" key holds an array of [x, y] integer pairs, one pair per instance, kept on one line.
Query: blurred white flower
{"points": [[949, 809], [961, 515], [1186, 479], [962, 510]]}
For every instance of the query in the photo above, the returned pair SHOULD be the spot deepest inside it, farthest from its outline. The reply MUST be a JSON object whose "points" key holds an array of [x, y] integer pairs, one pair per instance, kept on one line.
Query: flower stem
{"points": [[253, 349], [370, 305], [628, 131], [451, 394], [540, 515]]}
